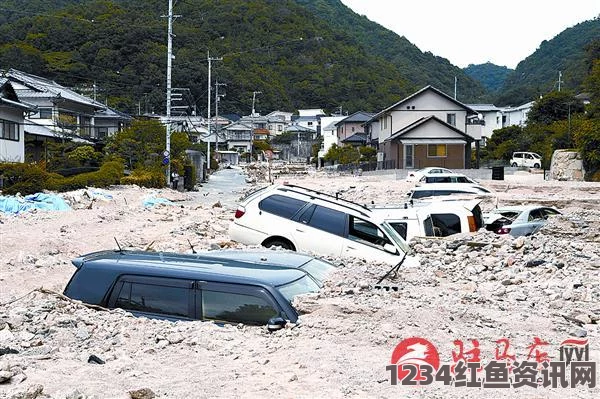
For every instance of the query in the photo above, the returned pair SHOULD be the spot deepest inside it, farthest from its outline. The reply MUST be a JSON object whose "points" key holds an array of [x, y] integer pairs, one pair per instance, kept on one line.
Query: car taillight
{"points": [[472, 224], [503, 230], [239, 213]]}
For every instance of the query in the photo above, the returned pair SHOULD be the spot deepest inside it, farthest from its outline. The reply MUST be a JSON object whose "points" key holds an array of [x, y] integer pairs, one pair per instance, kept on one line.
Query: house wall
{"points": [[329, 136], [346, 130], [12, 150], [427, 104], [455, 158]]}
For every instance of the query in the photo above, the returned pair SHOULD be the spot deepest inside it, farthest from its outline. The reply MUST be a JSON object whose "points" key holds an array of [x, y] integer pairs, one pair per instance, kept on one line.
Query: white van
{"points": [[438, 218], [300, 219], [526, 159]]}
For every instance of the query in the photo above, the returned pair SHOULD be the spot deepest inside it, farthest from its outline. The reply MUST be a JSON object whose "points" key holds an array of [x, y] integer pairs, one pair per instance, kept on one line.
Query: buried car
{"points": [[305, 220], [416, 175], [518, 220], [211, 286]]}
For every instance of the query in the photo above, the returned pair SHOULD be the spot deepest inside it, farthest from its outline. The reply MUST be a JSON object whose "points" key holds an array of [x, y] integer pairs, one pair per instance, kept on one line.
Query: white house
{"points": [[489, 117], [329, 133], [12, 135], [309, 118], [516, 115]]}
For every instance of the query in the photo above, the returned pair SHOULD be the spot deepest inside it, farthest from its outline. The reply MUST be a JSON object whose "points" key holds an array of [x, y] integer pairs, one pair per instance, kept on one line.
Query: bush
{"points": [[22, 178], [150, 178], [109, 174]]}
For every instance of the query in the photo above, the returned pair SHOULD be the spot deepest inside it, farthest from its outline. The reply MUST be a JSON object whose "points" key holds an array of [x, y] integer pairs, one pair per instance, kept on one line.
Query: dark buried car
{"points": [[254, 288]]}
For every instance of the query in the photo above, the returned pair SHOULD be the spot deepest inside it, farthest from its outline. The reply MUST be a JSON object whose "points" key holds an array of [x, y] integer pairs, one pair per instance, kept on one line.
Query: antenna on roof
{"points": [[120, 249]]}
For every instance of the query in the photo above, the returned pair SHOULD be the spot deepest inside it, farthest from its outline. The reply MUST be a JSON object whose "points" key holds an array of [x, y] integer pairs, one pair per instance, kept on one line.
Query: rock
{"points": [[518, 242], [33, 392], [5, 375], [93, 359], [578, 332], [6, 335], [144, 393], [175, 338]]}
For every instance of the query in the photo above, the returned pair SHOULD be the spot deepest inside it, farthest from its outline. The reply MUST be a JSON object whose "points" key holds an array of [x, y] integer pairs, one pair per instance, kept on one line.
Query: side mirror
{"points": [[390, 248], [276, 323]]}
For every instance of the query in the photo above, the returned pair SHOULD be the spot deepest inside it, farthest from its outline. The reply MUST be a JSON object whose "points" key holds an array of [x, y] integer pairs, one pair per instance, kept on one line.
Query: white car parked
{"points": [[300, 219], [416, 175], [526, 159], [446, 178]]}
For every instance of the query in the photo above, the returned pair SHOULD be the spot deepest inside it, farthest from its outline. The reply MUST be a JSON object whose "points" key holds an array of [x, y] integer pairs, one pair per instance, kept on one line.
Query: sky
{"points": [[467, 32]]}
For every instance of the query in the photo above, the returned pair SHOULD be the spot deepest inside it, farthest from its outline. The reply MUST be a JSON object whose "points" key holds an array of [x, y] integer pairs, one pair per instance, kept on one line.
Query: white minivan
{"points": [[526, 159], [305, 220]]}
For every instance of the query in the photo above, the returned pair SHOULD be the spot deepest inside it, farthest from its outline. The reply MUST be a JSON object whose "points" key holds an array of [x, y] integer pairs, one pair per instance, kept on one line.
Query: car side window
{"points": [[236, 308], [518, 155], [154, 295], [328, 220], [535, 215], [367, 232], [401, 228], [307, 214], [421, 194], [441, 225], [280, 205]]}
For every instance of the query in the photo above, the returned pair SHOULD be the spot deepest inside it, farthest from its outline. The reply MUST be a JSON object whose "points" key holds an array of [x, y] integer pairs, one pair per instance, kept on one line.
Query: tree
{"points": [[556, 106]]}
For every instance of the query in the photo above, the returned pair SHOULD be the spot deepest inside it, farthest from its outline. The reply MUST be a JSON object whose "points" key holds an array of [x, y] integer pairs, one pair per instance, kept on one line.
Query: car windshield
{"points": [[318, 269], [303, 285], [395, 237]]}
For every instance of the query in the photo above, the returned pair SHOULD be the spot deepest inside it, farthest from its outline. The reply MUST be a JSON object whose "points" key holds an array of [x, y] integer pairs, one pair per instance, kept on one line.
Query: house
{"points": [[277, 121], [427, 128], [489, 118], [310, 119], [516, 115], [12, 136], [61, 114], [239, 137], [329, 134], [352, 125]]}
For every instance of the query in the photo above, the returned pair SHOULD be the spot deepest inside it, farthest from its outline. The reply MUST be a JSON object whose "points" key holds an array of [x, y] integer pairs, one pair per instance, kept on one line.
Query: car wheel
{"points": [[279, 242], [536, 166], [514, 164]]}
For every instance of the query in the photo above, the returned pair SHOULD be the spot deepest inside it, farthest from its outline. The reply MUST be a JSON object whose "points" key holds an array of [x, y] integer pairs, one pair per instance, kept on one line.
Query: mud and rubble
{"points": [[481, 286]]}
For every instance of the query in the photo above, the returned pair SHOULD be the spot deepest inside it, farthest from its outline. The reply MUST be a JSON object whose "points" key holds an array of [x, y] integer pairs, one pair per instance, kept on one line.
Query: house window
{"points": [[102, 132], [310, 123], [43, 113], [279, 128], [9, 130], [451, 119], [436, 150]]}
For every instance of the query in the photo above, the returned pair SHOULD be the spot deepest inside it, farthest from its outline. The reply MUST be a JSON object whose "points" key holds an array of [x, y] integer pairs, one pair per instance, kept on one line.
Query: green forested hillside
{"points": [[490, 75], [538, 74], [276, 47], [420, 68]]}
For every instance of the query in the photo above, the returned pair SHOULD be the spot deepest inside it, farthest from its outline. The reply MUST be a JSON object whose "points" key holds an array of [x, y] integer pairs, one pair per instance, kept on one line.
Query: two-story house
{"points": [[277, 121], [427, 128], [351, 129], [329, 134], [12, 136], [309, 119], [489, 117], [61, 114], [239, 137]]}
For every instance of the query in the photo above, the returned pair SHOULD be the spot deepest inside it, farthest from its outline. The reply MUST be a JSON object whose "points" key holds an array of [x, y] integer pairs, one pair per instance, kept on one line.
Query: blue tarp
{"points": [[46, 202], [151, 201]]}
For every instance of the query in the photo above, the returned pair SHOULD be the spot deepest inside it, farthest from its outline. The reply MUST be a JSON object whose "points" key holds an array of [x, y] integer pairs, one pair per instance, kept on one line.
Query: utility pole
{"points": [[559, 79], [167, 152], [208, 96], [455, 84], [217, 99], [254, 93]]}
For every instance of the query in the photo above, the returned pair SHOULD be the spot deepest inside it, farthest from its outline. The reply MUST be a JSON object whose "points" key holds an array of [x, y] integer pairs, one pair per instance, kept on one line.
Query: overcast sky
{"points": [[477, 31]]}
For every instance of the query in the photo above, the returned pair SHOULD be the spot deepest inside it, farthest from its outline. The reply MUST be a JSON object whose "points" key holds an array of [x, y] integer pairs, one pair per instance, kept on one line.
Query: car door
{"points": [[321, 230], [366, 240]]}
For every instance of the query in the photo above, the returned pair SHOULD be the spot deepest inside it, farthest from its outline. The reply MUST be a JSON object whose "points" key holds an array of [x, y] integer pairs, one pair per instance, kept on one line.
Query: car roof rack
{"points": [[320, 193]]}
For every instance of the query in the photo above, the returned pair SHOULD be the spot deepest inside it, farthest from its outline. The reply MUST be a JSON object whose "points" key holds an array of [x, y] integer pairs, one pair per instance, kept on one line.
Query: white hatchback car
{"points": [[300, 219], [526, 159], [445, 189]]}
